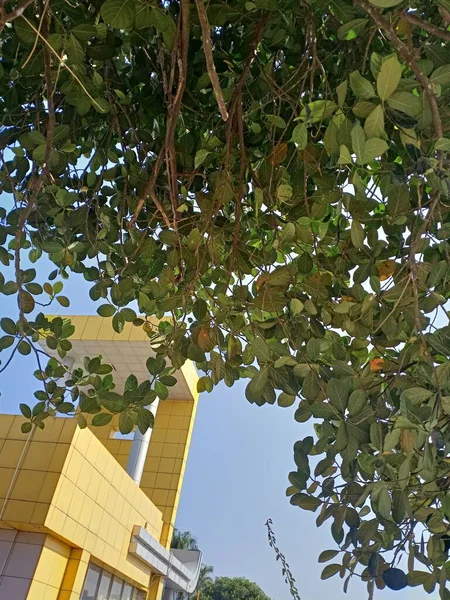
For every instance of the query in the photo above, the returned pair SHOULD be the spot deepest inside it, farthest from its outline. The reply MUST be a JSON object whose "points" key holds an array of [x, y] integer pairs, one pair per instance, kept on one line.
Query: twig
{"points": [[18, 12], [62, 63], [240, 84], [410, 60], [37, 36], [173, 111], [14, 14], [210, 66], [149, 190], [288, 577], [36, 183], [433, 29]]}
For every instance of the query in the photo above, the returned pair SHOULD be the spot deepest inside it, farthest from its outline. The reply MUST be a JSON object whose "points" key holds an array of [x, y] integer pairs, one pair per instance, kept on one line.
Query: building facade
{"points": [[73, 522]]}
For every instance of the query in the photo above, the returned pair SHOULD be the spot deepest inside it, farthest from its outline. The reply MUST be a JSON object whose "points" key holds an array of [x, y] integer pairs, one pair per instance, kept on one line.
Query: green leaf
{"points": [[286, 400], [338, 391], [6, 341], [357, 234], [416, 578], [24, 348], [327, 555], [398, 200], [261, 349], [296, 306], [128, 314], [26, 427], [361, 87], [303, 412], [313, 348], [341, 91], [200, 157], [126, 423], [300, 136], [385, 3], [319, 110], [374, 124], [118, 13], [407, 103], [25, 410], [8, 326], [144, 17], [162, 20], [74, 50], [389, 77], [145, 420], [65, 408], [416, 395], [344, 156], [306, 502], [356, 402], [255, 388], [81, 420], [101, 419], [351, 30], [442, 144], [305, 263], [384, 504], [358, 141], [84, 31], [373, 148], [330, 570], [441, 76], [266, 4], [106, 310], [63, 300]]}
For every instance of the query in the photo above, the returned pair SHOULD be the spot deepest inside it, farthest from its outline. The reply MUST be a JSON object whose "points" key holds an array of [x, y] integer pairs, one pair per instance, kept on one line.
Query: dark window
{"points": [[105, 586], [101, 585], [91, 583]]}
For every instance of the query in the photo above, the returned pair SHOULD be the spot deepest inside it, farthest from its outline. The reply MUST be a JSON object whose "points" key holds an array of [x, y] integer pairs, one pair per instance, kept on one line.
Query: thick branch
{"points": [[211, 67], [433, 29], [173, 111], [18, 12], [410, 60]]}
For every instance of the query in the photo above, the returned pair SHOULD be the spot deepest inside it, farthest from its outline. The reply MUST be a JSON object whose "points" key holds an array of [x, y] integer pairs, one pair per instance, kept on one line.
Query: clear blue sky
{"points": [[236, 478]]}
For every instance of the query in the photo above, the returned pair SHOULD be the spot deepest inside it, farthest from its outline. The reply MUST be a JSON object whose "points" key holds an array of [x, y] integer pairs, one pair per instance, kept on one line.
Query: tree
{"points": [[270, 178], [204, 580], [233, 588], [183, 540]]}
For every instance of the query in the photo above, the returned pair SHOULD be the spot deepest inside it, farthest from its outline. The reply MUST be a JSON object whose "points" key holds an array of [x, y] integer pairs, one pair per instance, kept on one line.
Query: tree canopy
{"points": [[232, 588], [271, 179], [183, 540]]}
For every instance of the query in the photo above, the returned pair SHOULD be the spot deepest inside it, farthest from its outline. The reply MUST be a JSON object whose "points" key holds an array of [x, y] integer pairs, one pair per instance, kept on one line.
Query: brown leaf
{"points": [[376, 365], [407, 441], [205, 341], [386, 269], [278, 154]]}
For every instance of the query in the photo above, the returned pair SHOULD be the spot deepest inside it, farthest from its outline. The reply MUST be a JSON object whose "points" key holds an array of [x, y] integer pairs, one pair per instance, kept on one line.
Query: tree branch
{"points": [[433, 29], [18, 12], [14, 14], [173, 111], [410, 60], [210, 66], [36, 183]]}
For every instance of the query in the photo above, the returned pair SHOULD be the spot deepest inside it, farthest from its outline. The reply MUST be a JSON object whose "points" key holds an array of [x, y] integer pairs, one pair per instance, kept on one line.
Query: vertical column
{"points": [[139, 449]]}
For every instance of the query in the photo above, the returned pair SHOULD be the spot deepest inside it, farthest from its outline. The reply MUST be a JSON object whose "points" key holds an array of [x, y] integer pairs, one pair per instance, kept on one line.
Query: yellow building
{"points": [[74, 524]]}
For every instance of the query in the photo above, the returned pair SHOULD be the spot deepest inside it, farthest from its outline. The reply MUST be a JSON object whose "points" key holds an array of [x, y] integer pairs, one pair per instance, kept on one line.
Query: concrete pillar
{"points": [[139, 449]]}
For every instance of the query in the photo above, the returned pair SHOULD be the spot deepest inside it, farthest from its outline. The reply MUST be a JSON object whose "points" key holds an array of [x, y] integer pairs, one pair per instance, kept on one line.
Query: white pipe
{"points": [[139, 449]]}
